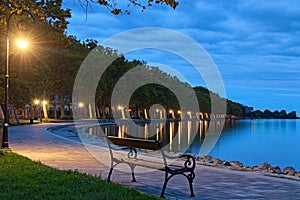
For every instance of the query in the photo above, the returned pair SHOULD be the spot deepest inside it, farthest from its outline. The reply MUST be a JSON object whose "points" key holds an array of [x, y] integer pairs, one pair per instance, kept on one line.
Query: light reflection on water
{"points": [[179, 136], [249, 141]]}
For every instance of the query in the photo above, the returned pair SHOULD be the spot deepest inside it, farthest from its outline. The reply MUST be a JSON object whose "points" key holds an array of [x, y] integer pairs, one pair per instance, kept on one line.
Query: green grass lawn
{"points": [[21, 178]]}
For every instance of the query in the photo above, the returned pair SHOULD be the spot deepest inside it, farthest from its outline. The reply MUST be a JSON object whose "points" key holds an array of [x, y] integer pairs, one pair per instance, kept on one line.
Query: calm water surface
{"points": [[251, 142], [256, 141]]}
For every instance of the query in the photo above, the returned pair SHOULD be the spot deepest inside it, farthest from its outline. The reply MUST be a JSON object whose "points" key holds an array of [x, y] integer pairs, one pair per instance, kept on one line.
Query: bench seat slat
{"points": [[144, 164], [136, 143], [151, 164]]}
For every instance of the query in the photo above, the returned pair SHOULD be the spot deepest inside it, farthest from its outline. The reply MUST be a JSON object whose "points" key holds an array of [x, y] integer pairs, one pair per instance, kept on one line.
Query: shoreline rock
{"points": [[266, 168], [290, 171]]}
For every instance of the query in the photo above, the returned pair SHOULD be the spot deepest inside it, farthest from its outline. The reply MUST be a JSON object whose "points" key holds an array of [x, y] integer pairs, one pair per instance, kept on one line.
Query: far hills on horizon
{"points": [[238, 110]]}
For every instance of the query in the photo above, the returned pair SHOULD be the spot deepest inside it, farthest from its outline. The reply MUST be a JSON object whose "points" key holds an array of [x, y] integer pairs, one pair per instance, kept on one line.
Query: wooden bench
{"points": [[185, 164]]}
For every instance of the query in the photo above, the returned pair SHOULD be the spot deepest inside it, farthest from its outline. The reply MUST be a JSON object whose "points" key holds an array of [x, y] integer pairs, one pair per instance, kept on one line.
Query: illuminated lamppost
{"points": [[157, 114], [22, 26], [179, 114], [80, 104], [80, 108], [121, 108], [189, 113], [172, 116], [37, 104]]}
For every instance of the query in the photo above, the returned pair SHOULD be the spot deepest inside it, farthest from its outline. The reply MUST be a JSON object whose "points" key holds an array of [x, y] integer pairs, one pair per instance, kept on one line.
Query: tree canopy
{"points": [[267, 114], [117, 7], [46, 11]]}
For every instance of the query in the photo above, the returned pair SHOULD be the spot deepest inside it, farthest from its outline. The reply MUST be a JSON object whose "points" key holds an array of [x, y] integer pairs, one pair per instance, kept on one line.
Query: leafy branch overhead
{"points": [[119, 7], [47, 11]]}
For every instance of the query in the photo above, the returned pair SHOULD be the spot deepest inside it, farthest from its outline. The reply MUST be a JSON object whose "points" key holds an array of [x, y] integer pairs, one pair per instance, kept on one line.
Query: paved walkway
{"points": [[210, 183]]}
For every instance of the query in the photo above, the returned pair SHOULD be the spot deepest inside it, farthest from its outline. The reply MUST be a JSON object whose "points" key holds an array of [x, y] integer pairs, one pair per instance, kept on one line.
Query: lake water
{"points": [[256, 141], [251, 142]]}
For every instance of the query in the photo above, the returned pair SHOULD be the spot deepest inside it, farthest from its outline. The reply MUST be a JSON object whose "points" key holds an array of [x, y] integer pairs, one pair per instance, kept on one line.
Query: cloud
{"points": [[290, 95], [276, 16], [255, 44]]}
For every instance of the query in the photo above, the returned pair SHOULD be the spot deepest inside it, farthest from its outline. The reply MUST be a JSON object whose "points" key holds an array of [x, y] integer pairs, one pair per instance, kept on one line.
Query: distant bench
{"points": [[185, 166]]}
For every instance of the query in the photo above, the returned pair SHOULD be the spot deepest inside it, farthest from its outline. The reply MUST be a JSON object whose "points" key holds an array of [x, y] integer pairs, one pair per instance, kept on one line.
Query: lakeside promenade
{"points": [[34, 142]]}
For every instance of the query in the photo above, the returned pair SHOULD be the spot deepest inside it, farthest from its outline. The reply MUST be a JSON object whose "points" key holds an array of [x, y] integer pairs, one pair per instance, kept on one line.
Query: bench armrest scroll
{"points": [[132, 153], [190, 161]]}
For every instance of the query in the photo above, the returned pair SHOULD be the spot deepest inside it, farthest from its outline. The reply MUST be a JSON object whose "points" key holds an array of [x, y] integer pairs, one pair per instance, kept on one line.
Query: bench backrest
{"points": [[136, 143]]}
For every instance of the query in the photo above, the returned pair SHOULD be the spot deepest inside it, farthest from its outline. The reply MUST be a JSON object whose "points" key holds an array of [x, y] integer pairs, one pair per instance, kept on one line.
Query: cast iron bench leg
{"points": [[132, 166], [162, 195], [110, 172], [190, 178]]}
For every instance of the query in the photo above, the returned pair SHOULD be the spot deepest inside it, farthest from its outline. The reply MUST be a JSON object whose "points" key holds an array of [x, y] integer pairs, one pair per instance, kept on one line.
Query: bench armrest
{"points": [[190, 161], [132, 151], [171, 157], [179, 156]]}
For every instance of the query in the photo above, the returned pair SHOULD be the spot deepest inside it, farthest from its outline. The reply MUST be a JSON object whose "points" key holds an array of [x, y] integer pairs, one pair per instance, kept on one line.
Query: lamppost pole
{"points": [[21, 25], [6, 111]]}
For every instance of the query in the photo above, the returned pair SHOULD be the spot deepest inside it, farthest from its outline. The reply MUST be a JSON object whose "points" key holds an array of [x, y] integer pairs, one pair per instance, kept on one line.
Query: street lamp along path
{"points": [[22, 43], [22, 25]]}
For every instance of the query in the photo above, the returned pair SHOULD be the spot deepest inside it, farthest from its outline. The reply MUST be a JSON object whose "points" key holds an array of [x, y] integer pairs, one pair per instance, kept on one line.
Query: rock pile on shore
{"points": [[236, 165]]}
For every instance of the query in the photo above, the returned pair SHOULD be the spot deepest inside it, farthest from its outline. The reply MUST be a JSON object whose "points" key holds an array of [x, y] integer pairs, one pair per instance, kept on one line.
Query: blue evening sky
{"points": [[255, 44]]}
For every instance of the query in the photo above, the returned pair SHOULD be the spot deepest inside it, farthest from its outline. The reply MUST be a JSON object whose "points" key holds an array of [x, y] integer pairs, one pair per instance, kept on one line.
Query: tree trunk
{"points": [[45, 111], [1, 113], [32, 112], [90, 111], [70, 110], [54, 110], [10, 114], [25, 112], [62, 108], [16, 116], [97, 112]]}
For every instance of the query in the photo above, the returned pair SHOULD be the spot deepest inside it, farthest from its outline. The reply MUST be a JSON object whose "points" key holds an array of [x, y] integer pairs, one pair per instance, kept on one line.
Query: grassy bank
{"points": [[21, 178]]}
